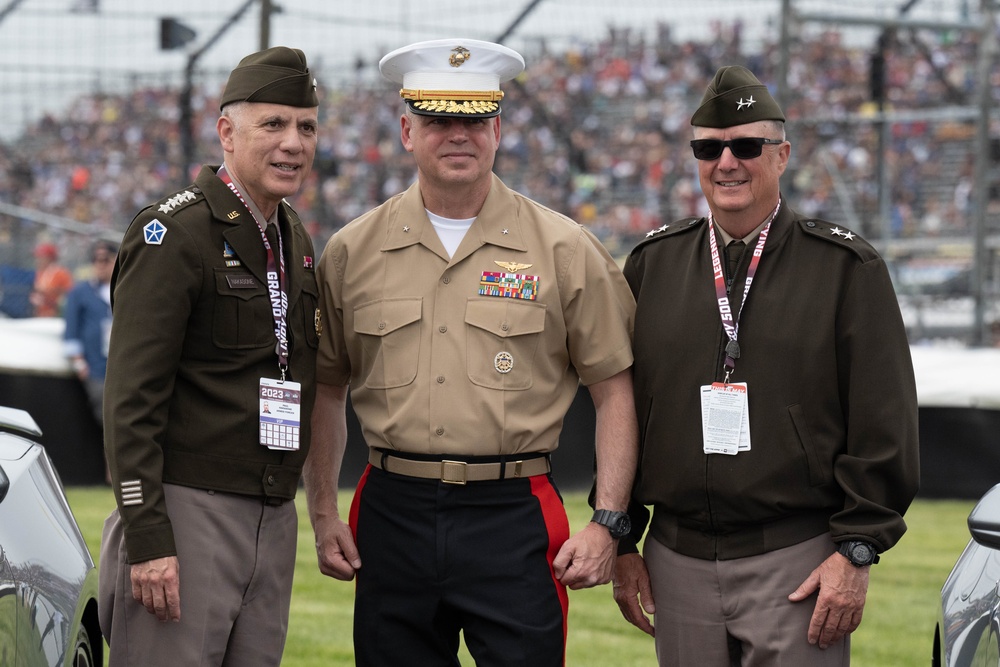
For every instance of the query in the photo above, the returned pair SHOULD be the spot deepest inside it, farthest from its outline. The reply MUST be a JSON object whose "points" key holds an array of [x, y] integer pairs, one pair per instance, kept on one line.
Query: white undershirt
{"points": [[450, 231]]}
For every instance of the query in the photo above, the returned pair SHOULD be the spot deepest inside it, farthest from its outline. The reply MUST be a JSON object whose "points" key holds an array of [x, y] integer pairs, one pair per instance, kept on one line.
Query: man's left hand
{"points": [[586, 559], [842, 590]]}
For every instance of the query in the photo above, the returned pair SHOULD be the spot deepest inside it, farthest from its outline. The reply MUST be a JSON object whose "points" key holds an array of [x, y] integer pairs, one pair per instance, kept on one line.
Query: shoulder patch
{"points": [[154, 232], [838, 235]]}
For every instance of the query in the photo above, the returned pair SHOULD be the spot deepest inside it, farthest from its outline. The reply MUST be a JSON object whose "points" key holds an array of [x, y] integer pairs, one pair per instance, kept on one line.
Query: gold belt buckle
{"points": [[453, 472]]}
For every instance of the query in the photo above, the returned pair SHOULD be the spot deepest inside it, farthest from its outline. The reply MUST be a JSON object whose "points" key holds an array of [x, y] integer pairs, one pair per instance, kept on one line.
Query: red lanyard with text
{"points": [[275, 279], [730, 325]]}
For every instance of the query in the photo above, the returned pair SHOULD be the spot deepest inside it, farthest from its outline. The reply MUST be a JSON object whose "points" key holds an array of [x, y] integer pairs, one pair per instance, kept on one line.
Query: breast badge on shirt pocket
{"points": [[503, 337], [389, 331]]}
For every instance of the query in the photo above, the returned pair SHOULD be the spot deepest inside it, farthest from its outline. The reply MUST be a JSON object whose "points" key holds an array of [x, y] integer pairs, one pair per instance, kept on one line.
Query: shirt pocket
{"points": [[241, 316], [389, 331], [503, 338]]}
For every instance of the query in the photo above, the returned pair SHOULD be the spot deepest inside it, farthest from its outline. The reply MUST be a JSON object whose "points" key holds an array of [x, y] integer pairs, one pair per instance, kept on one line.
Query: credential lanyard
{"points": [[276, 280], [731, 325]]}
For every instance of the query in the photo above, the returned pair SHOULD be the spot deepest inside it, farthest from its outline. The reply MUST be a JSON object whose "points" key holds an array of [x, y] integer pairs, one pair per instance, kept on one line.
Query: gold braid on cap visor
{"points": [[472, 101]]}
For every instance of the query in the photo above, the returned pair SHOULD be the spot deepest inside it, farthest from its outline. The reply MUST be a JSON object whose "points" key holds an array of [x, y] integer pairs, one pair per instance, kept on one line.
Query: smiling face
{"points": [[451, 152], [742, 193], [269, 149]]}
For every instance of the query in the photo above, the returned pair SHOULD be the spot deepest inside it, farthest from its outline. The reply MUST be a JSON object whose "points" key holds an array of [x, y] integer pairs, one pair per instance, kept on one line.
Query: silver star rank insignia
{"points": [[176, 200], [745, 103]]}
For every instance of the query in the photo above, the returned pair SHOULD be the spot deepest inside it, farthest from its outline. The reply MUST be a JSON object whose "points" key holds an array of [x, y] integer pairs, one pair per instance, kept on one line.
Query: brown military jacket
{"points": [[192, 336], [832, 397]]}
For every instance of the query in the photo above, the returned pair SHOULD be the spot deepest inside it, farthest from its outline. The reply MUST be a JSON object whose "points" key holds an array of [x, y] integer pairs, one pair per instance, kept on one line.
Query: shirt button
{"points": [[381, 325], [443, 329], [505, 327], [440, 379], [439, 430], [446, 280]]}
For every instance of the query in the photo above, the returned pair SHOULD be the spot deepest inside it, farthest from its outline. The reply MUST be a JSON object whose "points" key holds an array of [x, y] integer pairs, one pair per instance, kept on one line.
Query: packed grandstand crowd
{"points": [[598, 131]]}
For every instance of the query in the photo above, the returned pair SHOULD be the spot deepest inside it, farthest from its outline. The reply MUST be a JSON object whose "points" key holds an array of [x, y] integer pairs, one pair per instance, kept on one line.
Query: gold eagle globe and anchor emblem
{"points": [[458, 56]]}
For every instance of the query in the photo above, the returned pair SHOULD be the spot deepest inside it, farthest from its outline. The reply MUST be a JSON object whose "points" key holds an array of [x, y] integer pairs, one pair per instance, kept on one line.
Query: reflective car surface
{"points": [[968, 630], [48, 584]]}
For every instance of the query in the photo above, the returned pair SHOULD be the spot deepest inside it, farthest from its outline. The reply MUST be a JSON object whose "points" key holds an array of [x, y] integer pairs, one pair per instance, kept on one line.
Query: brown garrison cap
{"points": [[277, 75], [735, 97]]}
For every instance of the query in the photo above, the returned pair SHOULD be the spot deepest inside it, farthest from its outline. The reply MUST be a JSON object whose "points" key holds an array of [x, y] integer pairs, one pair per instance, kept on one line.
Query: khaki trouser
{"points": [[727, 613], [237, 559]]}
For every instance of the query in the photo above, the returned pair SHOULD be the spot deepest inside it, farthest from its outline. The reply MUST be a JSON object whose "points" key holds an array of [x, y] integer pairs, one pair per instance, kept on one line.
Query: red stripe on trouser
{"points": [[557, 525], [353, 516]]}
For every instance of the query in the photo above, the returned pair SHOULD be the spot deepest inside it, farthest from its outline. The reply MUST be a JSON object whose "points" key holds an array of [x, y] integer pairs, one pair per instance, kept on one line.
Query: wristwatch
{"points": [[617, 523], [859, 553]]}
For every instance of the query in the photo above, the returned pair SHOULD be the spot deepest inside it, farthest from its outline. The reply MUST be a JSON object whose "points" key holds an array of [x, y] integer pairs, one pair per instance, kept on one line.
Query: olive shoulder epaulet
{"points": [[178, 201], [669, 231], [839, 236]]}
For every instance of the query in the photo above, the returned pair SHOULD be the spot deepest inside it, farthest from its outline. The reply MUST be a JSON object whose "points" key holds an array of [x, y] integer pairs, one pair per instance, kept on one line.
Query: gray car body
{"points": [[48, 583], [968, 631]]}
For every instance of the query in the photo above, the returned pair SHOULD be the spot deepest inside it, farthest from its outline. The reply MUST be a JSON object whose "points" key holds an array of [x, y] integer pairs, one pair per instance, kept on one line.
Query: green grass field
{"points": [[897, 630]]}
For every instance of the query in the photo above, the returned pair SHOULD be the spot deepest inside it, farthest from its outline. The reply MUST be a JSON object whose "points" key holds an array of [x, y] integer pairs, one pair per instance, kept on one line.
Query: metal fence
{"points": [[889, 107]]}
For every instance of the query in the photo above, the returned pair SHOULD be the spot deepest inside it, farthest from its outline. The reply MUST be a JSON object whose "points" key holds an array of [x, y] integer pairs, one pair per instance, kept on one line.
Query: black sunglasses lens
{"points": [[706, 149], [745, 148]]}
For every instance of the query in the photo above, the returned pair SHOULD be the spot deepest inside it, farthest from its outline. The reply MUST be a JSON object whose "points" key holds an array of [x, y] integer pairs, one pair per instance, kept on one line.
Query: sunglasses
{"points": [[744, 148]]}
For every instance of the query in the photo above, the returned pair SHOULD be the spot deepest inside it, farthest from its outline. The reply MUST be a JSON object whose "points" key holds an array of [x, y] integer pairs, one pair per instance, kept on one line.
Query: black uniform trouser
{"points": [[439, 558]]}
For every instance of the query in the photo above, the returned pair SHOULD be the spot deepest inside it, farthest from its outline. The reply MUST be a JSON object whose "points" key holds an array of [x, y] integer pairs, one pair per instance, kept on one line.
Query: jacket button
{"points": [[270, 480]]}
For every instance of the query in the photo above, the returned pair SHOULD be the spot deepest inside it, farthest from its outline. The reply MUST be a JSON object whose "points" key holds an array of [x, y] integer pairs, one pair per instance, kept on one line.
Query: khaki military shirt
{"points": [[438, 363]]}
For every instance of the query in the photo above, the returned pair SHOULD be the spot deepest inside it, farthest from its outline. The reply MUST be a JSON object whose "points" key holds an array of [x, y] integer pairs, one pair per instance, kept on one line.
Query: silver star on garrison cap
{"points": [[745, 103]]}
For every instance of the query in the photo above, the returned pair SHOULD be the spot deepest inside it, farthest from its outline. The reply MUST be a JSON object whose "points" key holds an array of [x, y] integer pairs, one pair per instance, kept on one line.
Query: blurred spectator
{"points": [[595, 135], [88, 325], [52, 281]]}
